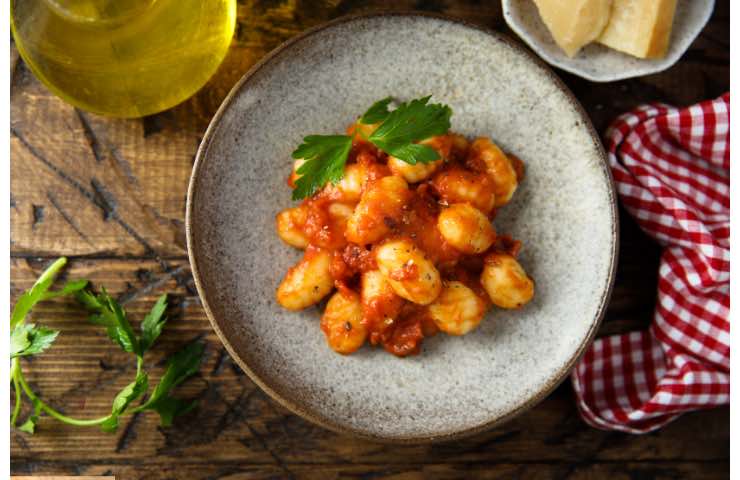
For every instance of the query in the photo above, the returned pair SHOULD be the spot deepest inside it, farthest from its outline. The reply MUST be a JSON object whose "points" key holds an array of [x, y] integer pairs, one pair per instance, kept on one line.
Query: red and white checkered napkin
{"points": [[672, 171]]}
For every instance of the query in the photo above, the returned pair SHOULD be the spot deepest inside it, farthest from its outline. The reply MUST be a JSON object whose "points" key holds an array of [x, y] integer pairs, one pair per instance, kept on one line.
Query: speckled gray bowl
{"points": [[564, 212], [596, 62]]}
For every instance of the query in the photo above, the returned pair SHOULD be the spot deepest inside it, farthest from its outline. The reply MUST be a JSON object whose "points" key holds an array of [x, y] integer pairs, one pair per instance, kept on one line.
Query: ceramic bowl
{"points": [[564, 212], [596, 62]]}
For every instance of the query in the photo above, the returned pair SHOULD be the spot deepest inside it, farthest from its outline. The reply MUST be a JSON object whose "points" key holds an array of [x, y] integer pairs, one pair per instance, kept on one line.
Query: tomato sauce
{"points": [[396, 324], [405, 337], [320, 228], [419, 222]]}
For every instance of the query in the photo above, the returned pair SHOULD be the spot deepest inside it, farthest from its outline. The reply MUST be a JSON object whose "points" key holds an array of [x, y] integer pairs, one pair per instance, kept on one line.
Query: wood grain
{"points": [[237, 423], [110, 194], [505, 471], [73, 169]]}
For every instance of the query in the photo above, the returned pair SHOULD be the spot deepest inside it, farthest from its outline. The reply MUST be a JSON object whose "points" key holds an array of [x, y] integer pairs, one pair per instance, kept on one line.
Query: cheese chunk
{"points": [[574, 23], [640, 27]]}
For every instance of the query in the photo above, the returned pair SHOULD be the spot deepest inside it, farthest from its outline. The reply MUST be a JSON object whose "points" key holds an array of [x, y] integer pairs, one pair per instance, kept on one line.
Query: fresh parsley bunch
{"points": [[397, 134], [30, 339]]}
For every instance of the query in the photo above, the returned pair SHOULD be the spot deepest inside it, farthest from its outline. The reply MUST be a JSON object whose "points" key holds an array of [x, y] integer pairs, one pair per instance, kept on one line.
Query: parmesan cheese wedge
{"points": [[574, 23], [640, 27]]}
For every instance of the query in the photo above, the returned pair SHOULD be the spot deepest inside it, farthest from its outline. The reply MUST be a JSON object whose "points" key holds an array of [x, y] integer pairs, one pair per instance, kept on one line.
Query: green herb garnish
{"points": [[377, 112], [30, 339], [326, 155], [409, 123]]}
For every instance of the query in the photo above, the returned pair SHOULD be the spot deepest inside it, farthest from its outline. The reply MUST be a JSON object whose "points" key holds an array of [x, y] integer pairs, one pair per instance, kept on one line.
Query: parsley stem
{"points": [[17, 408], [59, 416]]}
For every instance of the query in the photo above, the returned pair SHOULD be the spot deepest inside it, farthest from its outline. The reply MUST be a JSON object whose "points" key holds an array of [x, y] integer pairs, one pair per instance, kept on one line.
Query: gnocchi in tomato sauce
{"points": [[407, 250]]}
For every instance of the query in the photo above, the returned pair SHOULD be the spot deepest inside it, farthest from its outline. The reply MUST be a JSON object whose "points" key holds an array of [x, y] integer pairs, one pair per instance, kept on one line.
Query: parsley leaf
{"points": [[19, 340], [325, 156], [128, 394], [414, 153], [29, 426], [68, 289], [28, 339], [411, 122], [180, 366], [170, 407], [153, 323], [39, 292], [113, 317], [377, 112]]}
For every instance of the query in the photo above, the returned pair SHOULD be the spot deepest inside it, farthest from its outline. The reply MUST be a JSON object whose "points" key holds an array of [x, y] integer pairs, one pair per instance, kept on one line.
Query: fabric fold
{"points": [[671, 168]]}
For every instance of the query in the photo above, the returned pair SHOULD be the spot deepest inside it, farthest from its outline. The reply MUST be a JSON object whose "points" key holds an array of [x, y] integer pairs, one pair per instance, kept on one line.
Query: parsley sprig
{"points": [[30, 339], [397, 134]]}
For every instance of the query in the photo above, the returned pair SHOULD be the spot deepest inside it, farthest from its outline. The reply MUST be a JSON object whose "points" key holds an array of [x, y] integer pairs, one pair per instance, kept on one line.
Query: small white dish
{"points": [[596, 62]]}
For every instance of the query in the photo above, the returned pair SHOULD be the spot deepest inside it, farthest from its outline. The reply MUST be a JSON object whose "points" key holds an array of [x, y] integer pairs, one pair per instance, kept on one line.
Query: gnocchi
{"points": [[294, 173], [421, 171], [380, 207], [349, 188], [290, 224], [380, 304], [466, 228], [405, 251], [458, 185], [505, 281], [307, 282], [413, 173], [498, 166], [408, 271], [457, 310], [342, 322]]}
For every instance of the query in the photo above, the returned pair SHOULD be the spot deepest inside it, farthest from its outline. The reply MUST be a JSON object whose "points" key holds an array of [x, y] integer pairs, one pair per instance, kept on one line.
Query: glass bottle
{"points": [[125, 58]]}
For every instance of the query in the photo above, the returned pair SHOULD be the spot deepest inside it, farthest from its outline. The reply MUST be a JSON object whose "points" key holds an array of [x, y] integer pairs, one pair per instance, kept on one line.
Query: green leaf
{"points": [[36, 293], [130, 392], [325, 156], [153, 323], [69, 288], [28, 339], [124, 398], [411, 122], [171, 407], [19, 340], [414, 153], [29, 426], [113, 317], [180, 366], [88, 300], [377, 112], [119, 329], [41, 339]]}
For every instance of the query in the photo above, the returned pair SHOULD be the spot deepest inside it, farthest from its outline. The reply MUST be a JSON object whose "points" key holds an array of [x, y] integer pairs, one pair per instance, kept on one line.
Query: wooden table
{"points": [[110, 194]]}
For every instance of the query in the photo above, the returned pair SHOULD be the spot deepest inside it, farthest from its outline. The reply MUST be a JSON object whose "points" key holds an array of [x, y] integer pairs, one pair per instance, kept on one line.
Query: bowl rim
{"points": [[295, 407], [605, 77]]}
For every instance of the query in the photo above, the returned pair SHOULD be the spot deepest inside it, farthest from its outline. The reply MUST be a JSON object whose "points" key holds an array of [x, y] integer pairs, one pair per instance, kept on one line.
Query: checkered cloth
{"points": [[672, 171]]}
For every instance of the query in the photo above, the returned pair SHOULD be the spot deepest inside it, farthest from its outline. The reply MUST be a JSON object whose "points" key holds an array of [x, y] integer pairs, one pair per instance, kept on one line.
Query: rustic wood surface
{"points": [[110, 194]]}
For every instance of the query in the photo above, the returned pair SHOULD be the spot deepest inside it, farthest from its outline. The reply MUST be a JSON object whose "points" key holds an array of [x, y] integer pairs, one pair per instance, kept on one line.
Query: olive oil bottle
{"points": [[126, 58]]}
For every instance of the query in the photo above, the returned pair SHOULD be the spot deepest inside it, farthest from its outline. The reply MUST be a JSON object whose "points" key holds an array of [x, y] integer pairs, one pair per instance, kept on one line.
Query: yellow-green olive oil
{"points": [[126, 58]]}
